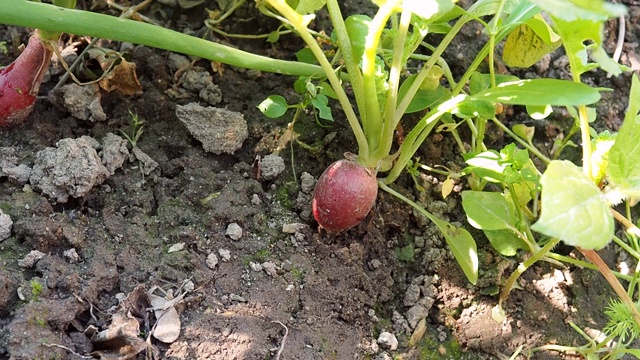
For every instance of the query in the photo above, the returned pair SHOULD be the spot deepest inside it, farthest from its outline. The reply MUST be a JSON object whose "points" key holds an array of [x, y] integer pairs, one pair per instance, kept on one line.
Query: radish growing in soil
{"points": [[20, 81], [344, 195]]}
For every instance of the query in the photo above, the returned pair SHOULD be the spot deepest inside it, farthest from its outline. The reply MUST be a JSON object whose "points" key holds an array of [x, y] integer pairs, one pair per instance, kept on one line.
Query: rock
{"points": [[200, 81], [9, 165], [31, 259], [212, 261], [294, 228], [270, 268], [114, 152], [148, 164], [412, 295], [219, 130], [82, 102], [415, 314], [71, 255], [73, 168], [255, 266], [234, 231], [5, 226], [388, 340], [225, 254], [307, 183], [271, 166]]}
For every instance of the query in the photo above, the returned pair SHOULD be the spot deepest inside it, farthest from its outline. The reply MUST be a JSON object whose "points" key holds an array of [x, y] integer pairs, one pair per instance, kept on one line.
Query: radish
{"points": [[20, 81], [344, 195]]}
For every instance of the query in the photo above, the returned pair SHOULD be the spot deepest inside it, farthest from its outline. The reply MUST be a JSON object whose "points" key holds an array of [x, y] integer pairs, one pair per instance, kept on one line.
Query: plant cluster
{"points": [[367, 59]]}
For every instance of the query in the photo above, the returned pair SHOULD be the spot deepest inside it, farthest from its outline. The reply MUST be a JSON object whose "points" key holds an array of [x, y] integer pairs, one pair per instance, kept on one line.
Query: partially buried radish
{"points": [[344, 195], [20, 81]]}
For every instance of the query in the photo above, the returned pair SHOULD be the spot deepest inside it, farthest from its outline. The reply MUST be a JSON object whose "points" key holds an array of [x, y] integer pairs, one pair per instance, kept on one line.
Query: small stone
{"points": [[238, 298], [271, 166], [176, 247], [225, 254], [71, 255], [412, 295], [219, 130], [415, 314], [388, 340], [226, 332], [294, 228], [212, 261], [31, 259], [307, 182], [255, 266], [255, 200], [269, 267], [5, 226], [234, 231]]}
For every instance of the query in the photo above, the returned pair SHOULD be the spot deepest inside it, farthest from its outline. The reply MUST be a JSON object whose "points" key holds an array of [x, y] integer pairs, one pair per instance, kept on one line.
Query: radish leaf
{"points": [[624, 168], [541, 92], [488, 210], [573, 208], [273, 106]]}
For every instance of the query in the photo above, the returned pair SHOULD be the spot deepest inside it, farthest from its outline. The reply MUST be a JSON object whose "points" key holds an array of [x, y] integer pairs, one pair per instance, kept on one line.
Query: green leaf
{"points": [[506, 242], [529, 43], [488, 165], [474, 107], [481, 82], [573, 208], [570, 10], [539, 112], [462, 246], [306, 56], [488, 210], [624, 156], [489, 7], [273, 106], [357, 28], [423, 98], [320, 102], [541, 92], [524, 131], [428, 9], [309, 6]]}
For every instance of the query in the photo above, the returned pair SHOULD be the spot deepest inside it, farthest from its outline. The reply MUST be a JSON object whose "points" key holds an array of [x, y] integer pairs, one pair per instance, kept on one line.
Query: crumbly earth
{"points": [[271, 286]]}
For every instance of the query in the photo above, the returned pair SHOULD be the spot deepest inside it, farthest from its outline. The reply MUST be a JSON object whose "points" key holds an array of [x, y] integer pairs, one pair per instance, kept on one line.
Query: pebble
{"points": [[271, 166], [270, 268], [307, 182], [5, 226], [412, 295], [415, 314], [225, 254], [31, 259], [234, 231], [255, 266], [71, 255], [388, 340], [294, 228], [212, 261]]}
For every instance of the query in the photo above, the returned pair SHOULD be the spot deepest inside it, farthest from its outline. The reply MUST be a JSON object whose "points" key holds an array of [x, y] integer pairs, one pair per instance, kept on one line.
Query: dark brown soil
{"points": [[307, 293]]}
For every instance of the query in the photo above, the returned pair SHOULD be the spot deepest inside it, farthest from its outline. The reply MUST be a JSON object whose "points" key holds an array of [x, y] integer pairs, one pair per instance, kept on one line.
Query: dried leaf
{"points": [[122, 78]]}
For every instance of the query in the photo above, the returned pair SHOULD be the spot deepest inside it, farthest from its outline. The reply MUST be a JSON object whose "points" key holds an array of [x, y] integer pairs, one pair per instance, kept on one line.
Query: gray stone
{"points": [[271, 166], [5, 226], [234, 231], [388, 340], [219, 130]]}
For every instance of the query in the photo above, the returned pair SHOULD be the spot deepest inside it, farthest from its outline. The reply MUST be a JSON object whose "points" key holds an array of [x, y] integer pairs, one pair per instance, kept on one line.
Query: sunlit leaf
{"points": [[624, 156], [529, 43], [305, 7], [273, 106], [506, 242], [541, 92], [539, 112], [570, 10], [488, 210], [481, 82], [573, 208], [357, 28]]}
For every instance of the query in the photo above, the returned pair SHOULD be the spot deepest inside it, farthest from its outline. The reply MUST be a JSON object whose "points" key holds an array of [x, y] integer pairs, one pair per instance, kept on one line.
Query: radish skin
{"points": [[344, 194], [20, 81]]}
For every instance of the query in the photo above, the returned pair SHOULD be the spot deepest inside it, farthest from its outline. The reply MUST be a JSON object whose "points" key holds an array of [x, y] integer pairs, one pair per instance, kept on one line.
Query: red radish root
{"points": [[344, 195], [20, 81]]}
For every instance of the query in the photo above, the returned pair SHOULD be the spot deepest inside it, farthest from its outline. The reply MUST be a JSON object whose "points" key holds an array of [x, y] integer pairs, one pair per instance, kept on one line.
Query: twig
{"points": [[284, 338], [621, 31], [67, 349]]}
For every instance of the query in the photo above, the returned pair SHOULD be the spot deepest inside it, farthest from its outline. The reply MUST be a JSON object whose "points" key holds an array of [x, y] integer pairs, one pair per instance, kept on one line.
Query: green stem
{"points": [[584, 264], [299, 24], [525, 144], [509, 285], [389, 122], [52, 18], [373, 124], [419, 133]]}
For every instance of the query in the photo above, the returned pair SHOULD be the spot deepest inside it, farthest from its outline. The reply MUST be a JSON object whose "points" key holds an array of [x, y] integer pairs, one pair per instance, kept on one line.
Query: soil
{"points": [[231, 239]]}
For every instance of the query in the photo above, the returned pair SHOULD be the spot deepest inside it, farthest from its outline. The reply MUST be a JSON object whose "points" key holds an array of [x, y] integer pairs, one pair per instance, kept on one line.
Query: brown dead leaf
{"points": [[122, 78]]}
